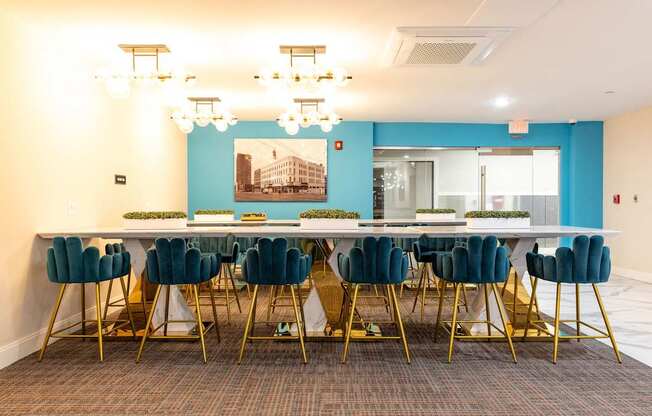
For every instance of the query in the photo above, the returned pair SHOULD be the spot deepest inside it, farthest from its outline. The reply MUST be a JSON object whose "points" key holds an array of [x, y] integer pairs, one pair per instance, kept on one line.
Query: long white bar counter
{"points": [[520, 241]]}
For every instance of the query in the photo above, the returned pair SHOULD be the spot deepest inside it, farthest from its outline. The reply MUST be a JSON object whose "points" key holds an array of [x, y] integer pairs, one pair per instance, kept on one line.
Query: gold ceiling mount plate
{"points": [[143, 48], [204, 99], [298, 50], [308, 100]]}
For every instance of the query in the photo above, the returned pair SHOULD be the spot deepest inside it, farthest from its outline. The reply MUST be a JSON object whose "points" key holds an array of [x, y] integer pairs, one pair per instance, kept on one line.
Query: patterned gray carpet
{"points": [[172, 379]]}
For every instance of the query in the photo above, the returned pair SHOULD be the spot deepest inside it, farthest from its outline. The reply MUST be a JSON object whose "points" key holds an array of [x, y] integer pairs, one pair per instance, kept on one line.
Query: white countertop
{"points": [[543, 231]]}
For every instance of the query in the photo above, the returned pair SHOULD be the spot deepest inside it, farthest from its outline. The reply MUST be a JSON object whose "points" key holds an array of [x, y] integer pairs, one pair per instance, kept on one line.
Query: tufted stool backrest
{"points": [[272, 263], [589, 261], [481, 261], [171, 262], [377, 262], [69, 262]]}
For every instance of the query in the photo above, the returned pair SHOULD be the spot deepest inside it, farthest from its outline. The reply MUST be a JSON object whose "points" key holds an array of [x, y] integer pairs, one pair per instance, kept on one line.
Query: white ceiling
{"points": [[554, 67]]}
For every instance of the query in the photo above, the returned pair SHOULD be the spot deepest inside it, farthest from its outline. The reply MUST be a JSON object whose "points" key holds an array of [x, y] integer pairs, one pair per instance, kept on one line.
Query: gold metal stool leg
{"points": [[149, 323], [226, 292], [441, 306], [108, 299], [399, 321], [299, 324], [53, 318], [125, 295], [605, 318], [303, 318], [556, 336], [515, 300], [466, 302], [217, 326], [167, 309], [272, 295], [426, 283], [350, 323], [245, 336], [487, 309], [499, 302], [457, 289], [200, 323], [98, 306], [529, 309], [420, 282], [83, 309], [577, 309], [235, 290]]}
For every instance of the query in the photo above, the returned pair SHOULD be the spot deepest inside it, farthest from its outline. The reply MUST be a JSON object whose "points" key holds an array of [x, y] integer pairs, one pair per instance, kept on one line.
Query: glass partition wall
{"points": [[467, 179]]}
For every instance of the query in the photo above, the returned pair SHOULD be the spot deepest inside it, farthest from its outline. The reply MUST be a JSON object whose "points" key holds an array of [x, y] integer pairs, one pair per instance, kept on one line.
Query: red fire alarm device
{"points": [[339, 145], [616, 199]]}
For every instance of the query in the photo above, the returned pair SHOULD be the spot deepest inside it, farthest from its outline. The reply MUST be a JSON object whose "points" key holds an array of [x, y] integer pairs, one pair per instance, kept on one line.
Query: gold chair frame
{"points": [[100, 321]]}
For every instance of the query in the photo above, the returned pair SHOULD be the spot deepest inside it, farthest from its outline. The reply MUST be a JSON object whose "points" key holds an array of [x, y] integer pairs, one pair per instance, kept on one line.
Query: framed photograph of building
{"points": [[280, 170]]}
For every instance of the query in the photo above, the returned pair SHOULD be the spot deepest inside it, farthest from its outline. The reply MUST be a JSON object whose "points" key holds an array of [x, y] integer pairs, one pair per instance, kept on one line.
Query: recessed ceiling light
{"points": [[610, 92], [501, 101], [406, 156]]}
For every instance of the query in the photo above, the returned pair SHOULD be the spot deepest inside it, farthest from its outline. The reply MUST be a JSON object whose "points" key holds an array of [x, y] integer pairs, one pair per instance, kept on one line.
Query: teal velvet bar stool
{"points": [[588, 262], [112, 249], [272, 263], [484, 263], [228, 250], [376, 263], [171, 262], [407, 245], [277, 297], [425, 252], [69, 263]]}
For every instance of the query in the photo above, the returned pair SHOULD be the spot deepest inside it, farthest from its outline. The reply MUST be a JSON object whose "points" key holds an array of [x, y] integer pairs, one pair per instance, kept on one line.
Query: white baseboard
{"points": [[632, 274], [14, 351]]}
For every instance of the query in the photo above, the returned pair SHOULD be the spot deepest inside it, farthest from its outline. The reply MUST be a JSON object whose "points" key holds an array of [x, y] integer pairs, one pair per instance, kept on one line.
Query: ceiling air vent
{"points": [[443, 45]]}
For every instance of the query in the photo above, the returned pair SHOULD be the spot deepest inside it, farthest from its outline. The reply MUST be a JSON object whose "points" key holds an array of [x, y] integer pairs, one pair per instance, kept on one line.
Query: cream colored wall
{"points": [[61, 141], [628, 172]]}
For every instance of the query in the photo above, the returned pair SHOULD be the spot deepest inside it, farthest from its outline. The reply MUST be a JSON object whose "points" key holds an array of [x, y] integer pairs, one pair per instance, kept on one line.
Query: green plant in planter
{"points": [[497, 214], [329, 213], [154, 215], [435, 211], [214, 212]]}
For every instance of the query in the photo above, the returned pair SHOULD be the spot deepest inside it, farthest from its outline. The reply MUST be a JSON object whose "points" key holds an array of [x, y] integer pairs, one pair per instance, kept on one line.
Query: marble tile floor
{"points": [[628, 303]]}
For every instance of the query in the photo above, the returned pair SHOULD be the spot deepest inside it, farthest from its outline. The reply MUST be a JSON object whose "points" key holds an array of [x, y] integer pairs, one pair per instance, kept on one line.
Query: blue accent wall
{"points": [[586, 170], [210, 162], [350, 171]]}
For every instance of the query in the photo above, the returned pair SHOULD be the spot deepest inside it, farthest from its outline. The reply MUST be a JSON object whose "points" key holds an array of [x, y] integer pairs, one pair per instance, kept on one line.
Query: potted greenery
{"points": [[212, 215], [329, 219], [154, 220], [497, 219], [435, 214]]}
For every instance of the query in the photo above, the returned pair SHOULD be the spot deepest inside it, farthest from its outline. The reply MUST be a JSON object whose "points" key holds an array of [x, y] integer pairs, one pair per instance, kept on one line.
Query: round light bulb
{"points": [[326, 126], [305, 121], [185, 125], [292, 129], [221, 125], [314, 117], [177, 115], [334, 119], [202, 120], [340, 77]]}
